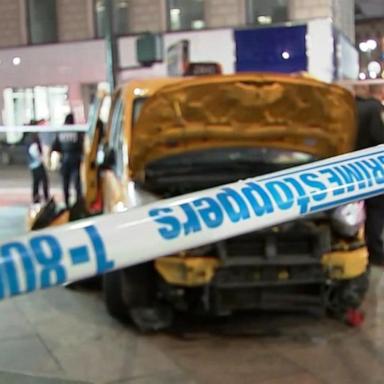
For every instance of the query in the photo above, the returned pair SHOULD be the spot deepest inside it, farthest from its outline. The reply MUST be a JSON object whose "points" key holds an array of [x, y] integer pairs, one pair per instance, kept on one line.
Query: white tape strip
{"points": [[97, 245], [43, 128]]}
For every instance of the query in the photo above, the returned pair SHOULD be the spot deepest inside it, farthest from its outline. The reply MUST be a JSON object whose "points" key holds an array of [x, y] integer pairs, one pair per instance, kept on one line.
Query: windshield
{"points": [[99, 110], [234, 156], [196, 170]]}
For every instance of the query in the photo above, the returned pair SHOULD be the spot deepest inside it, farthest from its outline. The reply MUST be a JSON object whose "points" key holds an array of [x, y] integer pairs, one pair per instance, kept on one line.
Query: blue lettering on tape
{"points": [[234, 205], [375, 168], [258, 198], [170, 226], [9, 252], [39, 263], [210, 211], [26, 262], [79, 255], [302, 199], [48, 253], [334, 180], [317, 189], [311, 190], [193, 223], [102, 262], [281, 193]]}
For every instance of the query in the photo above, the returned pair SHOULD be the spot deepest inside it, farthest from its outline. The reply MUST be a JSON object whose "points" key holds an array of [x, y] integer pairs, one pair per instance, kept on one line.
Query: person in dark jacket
{"points": [[370, 119], [370, 133], [36, 165], [70, 145]]}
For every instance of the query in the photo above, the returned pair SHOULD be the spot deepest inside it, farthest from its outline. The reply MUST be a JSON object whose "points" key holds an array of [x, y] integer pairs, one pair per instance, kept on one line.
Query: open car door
{"points": [[52, 214], [93, 140]]}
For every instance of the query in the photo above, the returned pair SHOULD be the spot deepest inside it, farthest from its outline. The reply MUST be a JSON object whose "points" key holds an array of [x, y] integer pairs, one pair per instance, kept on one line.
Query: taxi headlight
{"points": [[348, 219]]}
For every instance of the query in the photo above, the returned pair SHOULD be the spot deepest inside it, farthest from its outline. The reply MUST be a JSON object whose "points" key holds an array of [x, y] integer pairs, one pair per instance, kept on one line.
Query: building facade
{"points": [[52, 52]]}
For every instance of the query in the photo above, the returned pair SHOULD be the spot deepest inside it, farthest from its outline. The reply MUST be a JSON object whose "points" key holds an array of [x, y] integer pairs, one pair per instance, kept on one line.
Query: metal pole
{"points": [[111, 45]]}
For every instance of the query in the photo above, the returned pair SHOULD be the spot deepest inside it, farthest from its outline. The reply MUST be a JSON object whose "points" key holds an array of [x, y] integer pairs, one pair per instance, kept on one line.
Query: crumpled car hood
{"points": [[244, 110]]}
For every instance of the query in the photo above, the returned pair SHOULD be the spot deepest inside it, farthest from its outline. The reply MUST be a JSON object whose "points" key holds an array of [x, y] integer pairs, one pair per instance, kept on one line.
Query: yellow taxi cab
{"points": [[166, 137]]}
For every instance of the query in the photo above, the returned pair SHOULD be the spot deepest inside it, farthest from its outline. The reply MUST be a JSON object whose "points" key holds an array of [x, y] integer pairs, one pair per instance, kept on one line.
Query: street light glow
{"points": [[373, 75], [374, 66], [371, 44], [363, 46], [264, 19], [175, 11], [368, 45], [16, 60], [285, 55]]}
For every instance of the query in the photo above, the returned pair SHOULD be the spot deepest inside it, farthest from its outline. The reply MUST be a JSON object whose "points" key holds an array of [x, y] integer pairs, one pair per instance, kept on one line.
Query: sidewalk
{"points": [[59, 334], [16, 188]]}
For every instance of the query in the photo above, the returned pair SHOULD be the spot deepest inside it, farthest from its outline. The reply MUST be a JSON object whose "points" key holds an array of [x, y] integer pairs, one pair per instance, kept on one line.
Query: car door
{"points": [[115, 170]]}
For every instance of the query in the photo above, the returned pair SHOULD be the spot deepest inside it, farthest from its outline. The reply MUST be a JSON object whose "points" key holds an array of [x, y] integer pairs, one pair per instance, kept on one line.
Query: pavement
{"points": [[65, 336]]}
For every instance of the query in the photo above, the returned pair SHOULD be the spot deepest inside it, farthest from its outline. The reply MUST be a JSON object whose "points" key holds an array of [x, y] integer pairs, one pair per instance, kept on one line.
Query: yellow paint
{"points": [[89, 170], [346, 264], [283, 275], [242, 110], [187, 271], [61, 219]]}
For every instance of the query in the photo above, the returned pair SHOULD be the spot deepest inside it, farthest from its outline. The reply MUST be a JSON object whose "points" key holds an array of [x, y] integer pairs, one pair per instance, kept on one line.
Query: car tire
{"points": [[347, 294], [127, 289], [113, 295]]}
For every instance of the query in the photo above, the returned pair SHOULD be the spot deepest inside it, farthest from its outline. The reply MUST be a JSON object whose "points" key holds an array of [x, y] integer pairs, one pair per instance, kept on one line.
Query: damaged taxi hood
{"points": [[247, 110]]}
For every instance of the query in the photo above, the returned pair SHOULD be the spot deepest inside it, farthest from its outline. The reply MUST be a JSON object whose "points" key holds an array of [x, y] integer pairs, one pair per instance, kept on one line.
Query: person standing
{"points": [[370, 113], [36, 165], [70, 145]]}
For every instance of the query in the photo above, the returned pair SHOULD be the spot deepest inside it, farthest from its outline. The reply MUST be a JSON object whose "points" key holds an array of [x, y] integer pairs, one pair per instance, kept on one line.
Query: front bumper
{"points": [[344, 265], [198, 271], [277, 271]]}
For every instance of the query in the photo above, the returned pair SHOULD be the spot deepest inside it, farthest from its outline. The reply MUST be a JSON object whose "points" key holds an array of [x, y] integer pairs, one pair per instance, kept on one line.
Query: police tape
{"points": [[43, 128], [100, 244]]}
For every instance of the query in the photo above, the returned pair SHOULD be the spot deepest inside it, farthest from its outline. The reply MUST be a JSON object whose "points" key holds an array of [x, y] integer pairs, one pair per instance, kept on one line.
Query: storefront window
{"points": [[42, 21], [120, 17], [44, 104], [185, 14], [38, 103], [267, 11]]}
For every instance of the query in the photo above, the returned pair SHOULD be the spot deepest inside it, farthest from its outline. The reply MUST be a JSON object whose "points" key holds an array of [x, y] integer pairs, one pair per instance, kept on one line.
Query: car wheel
{"points": [[127, 289], [346, 295]]}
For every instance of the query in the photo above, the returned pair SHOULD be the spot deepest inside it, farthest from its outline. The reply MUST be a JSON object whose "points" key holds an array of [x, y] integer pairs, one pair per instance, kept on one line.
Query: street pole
{"points": [[111, 46]]}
